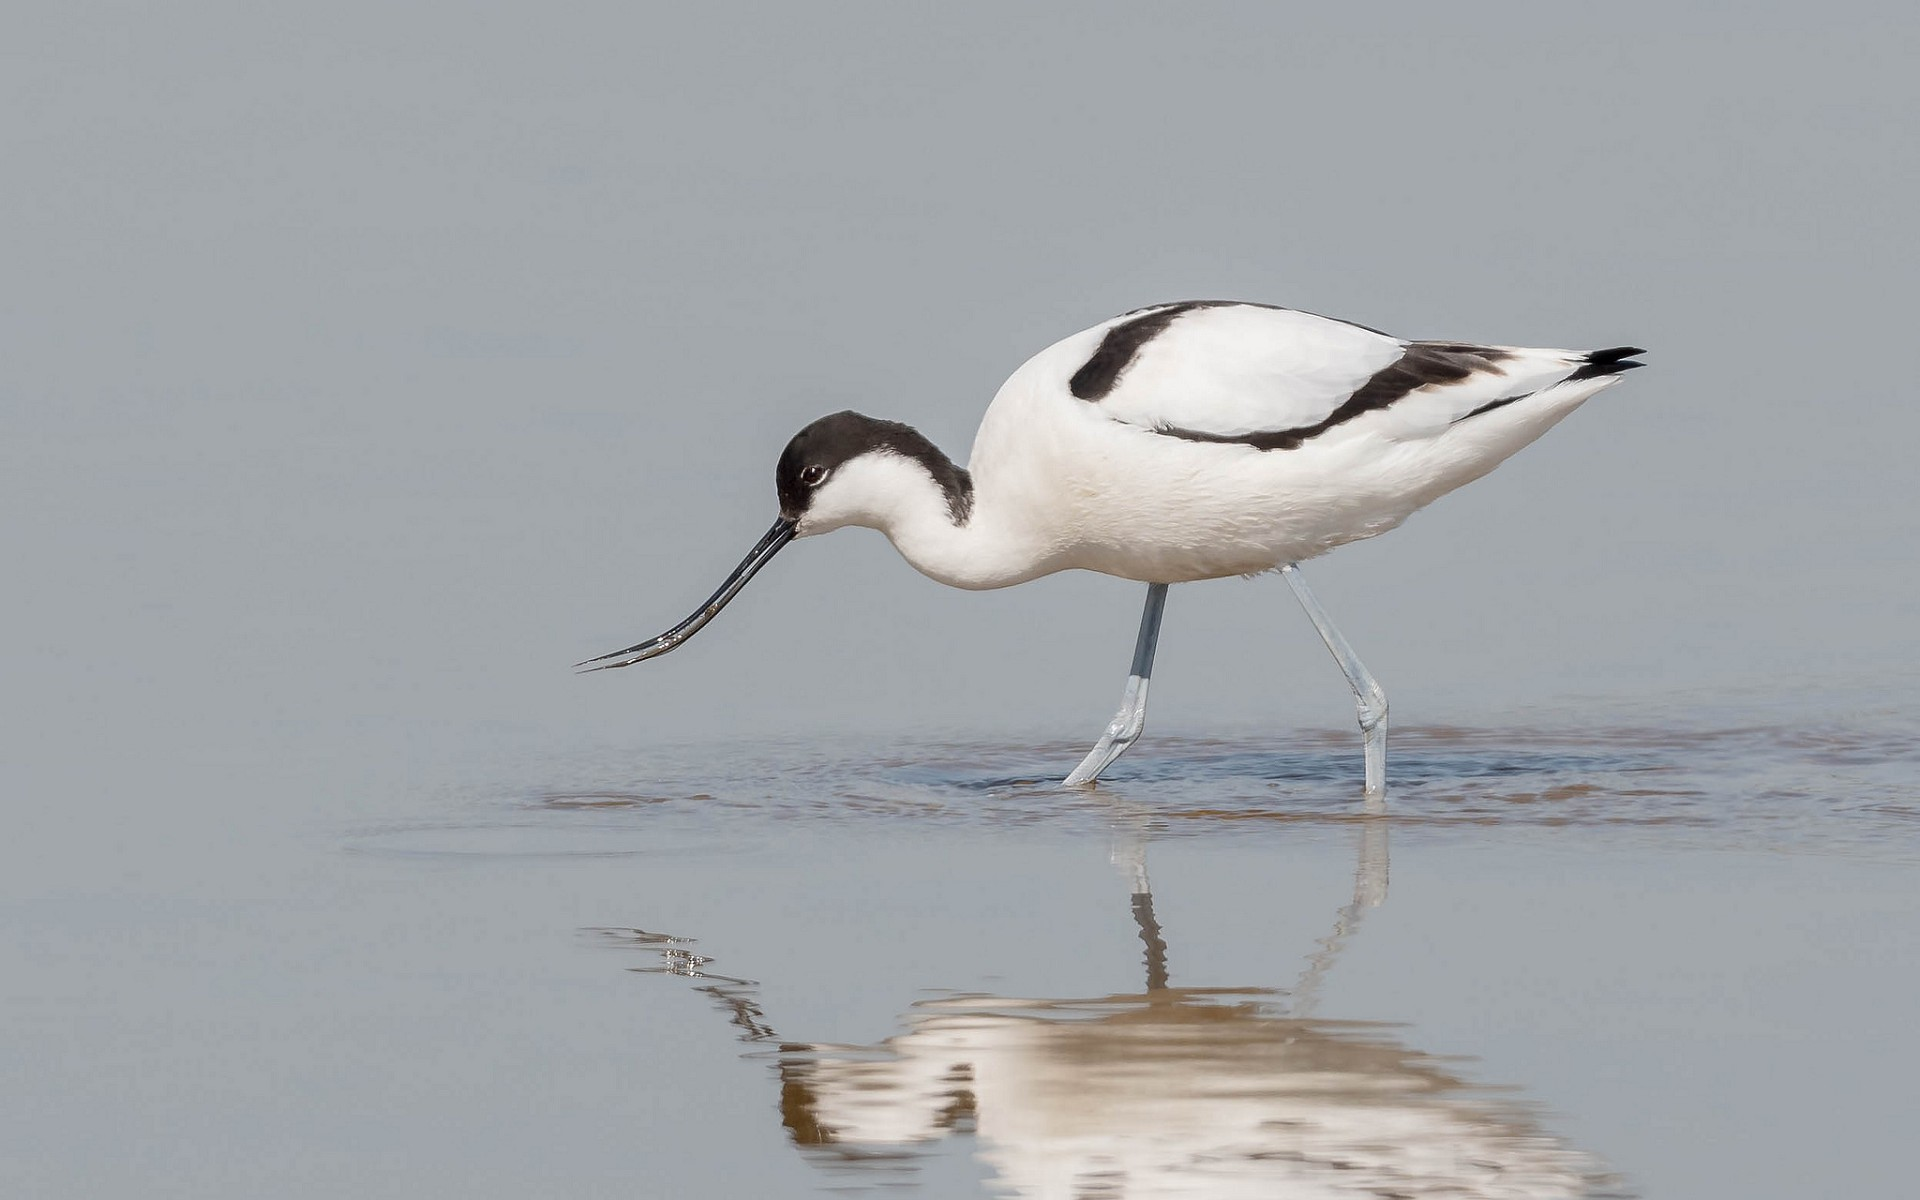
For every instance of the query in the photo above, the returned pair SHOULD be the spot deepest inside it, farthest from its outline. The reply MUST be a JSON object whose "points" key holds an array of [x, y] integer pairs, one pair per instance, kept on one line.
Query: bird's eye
{"points": [[813, 475]]}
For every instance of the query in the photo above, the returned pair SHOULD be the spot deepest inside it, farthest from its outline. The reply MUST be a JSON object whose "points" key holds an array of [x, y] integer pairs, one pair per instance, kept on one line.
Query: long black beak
{"points": [[778, 536]]}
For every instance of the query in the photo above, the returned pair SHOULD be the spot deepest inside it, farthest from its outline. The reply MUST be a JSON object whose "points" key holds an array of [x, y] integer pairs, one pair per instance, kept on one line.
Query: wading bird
{"points": [[1176, 443]]}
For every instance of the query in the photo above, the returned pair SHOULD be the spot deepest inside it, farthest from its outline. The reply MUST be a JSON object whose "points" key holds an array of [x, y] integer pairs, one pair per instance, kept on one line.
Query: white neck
{"points": [[990, 548]]}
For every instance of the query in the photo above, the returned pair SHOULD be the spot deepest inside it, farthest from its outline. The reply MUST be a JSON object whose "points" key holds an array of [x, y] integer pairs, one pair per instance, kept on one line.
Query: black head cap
{"points": [[820, 449]]}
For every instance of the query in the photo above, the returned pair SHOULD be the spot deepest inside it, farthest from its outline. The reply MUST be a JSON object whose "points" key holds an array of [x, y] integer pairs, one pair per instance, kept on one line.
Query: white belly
{"points": [[1140, 505]]}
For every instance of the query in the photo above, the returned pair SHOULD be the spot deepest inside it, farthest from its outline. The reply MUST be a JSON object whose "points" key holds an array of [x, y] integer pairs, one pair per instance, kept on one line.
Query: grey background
{"points": [[414, 353], [363, 366]]}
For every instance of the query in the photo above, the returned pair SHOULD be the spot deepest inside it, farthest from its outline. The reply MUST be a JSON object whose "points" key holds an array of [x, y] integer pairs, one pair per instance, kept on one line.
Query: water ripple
{"points": [[1796, 787]]}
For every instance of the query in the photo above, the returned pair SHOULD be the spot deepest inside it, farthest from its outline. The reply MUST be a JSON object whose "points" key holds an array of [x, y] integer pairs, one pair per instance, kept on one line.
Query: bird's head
{"points": [[850, 469], [846, 469]]}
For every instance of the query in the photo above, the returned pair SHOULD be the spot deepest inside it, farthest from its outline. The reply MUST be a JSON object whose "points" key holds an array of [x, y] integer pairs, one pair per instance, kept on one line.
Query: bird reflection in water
{"points": [[1170, 1092]]}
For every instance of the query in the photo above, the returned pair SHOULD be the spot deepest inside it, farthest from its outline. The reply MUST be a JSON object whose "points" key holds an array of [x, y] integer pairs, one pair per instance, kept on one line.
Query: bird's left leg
{"points": [[1367, 696], [1126, 725]]}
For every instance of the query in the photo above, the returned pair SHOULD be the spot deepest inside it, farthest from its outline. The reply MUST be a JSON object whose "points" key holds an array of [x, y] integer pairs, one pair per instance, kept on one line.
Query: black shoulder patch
{"points": [[832, 440], [1424, 364], [1099, 374]]}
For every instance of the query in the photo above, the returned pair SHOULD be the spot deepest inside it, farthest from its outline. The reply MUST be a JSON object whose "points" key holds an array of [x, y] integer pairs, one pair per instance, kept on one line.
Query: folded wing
{"points": [[1275, 378]]}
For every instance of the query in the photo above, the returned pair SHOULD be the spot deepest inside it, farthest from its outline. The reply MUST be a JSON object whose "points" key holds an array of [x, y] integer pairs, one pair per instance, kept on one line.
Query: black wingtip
{"points": [[1608, 362]]}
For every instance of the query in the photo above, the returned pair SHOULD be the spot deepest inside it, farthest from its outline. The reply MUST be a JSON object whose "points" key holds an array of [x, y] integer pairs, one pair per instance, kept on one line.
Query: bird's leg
{"points": [[1367, 696], [1126, 725]]}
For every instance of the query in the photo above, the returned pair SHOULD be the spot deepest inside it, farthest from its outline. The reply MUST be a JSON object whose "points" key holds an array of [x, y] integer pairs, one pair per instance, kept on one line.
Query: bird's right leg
{"points": [[1368, 697], [1126, 725]]}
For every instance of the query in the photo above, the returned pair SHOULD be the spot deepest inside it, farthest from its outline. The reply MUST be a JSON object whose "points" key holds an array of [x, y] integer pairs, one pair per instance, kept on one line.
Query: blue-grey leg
{"points": [[1126, 725], [1367, 696]]}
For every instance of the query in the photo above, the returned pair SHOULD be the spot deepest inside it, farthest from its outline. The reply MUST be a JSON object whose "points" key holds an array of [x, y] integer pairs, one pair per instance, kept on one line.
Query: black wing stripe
{"points": [[1491, 405], [1425, 364]]}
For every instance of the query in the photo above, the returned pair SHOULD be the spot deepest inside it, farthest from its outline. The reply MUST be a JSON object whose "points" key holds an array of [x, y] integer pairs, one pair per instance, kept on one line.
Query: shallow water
{"points": [[1803, 787], [1628, 961]]}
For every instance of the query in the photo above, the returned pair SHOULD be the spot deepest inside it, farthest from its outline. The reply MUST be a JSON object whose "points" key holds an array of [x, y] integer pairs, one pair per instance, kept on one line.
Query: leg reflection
{"points": [[1369, 891]]}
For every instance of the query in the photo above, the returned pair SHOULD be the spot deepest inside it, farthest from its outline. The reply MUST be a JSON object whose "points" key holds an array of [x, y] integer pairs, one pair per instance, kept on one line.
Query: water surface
{"points": [[1618, 961]]}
